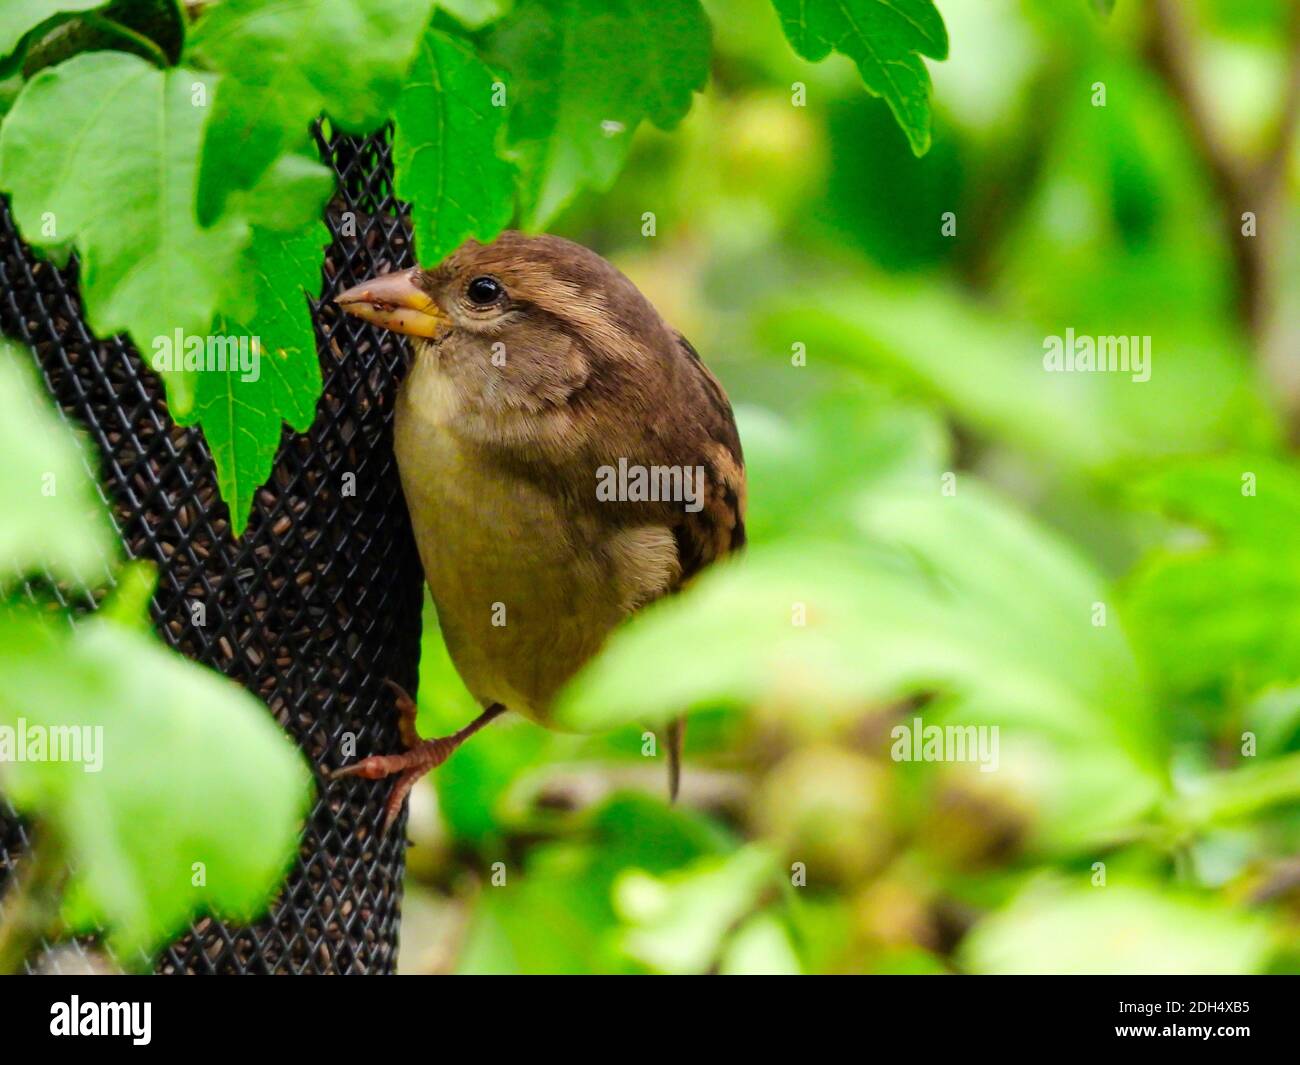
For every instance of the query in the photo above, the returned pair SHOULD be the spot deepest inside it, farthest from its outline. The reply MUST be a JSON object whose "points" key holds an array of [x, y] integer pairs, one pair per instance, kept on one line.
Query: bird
{"points": [[566, 458]]}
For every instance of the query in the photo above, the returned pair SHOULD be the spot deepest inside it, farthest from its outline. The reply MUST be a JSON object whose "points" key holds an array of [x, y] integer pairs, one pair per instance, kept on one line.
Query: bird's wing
{"points": [[718, 527]]}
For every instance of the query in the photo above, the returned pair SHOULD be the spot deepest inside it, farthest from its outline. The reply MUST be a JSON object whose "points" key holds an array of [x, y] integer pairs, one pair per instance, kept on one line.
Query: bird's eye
{"points": [[484, 290]]}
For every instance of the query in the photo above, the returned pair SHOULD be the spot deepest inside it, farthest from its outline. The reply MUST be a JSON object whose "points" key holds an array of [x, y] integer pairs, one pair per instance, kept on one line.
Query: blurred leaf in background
{"points": [[1219, 606], [165, 789], [1136, 930]]}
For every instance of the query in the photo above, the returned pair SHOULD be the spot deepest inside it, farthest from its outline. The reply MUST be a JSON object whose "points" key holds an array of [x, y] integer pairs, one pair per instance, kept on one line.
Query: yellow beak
{"points": [[394, 301]]}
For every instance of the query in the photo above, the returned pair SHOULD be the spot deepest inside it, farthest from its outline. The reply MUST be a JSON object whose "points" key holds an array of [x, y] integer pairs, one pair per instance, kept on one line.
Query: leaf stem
{"points": [[1239, 793], [116, 29]]}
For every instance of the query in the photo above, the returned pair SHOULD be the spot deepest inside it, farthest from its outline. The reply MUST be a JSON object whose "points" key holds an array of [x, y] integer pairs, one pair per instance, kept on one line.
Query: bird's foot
{"points": [[419, 757]]}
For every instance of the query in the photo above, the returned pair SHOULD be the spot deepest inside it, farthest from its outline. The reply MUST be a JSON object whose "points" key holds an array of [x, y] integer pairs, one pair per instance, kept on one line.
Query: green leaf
{"points": [[582, 75], [1249, 499], [128, 603], [21, 17], [241, 417], [184, 768], [10, 87], [444, 150], [54, 521], [760, 947], [474, 14], [959, 596], [1051, 929], [186, 797], [558, 916], [148, 268], [1098, 424], [801, 476], [1220, 613], [886, 39], [676, 923], [1225, 797], [286, 61], [956, 574], [152, 29], [290, 196], [102, 151]]}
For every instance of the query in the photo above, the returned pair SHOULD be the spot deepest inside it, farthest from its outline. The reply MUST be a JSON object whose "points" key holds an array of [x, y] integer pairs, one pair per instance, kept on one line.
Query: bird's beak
{"points": [[394, 301]]}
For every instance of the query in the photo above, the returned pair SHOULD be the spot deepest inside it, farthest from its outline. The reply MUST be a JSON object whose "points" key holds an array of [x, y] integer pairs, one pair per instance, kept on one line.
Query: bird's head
{"points": [[539, 345], [522, 322]]}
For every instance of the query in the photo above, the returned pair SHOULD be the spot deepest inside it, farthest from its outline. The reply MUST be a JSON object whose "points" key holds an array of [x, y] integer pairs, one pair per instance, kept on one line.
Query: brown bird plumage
{"points": [[539, 370]]}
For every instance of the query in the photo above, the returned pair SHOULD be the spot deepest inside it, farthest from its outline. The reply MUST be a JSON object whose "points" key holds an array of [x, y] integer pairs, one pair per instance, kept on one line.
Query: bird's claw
{"points": [[419, 757]]}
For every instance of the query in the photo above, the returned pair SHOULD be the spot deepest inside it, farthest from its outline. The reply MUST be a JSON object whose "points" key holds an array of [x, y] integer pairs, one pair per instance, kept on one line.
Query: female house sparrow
{"points": [[566, 459]]}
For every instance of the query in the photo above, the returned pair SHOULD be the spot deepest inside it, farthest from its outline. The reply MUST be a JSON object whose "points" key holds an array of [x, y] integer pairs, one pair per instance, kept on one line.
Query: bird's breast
{"points": [[521, 579]]}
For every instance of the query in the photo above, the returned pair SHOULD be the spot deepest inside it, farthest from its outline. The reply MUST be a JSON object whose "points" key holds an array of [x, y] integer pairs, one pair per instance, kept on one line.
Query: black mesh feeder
{"points": [[312, 609]]}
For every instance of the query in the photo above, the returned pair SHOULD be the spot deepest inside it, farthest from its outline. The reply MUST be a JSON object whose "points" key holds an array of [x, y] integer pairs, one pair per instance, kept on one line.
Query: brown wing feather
{"points": [[718, 528]]}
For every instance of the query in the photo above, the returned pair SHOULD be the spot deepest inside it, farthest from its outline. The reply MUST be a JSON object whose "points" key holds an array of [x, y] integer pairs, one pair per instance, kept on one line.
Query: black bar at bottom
{"points": [[610, 1015]]}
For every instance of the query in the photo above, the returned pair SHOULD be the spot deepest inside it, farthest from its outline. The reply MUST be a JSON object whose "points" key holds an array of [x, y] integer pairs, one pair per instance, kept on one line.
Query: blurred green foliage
{"points": [[1104, 569], [156, 790]]}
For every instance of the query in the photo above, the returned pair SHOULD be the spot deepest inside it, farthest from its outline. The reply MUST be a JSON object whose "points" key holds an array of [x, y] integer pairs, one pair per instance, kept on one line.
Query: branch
{"points": [[1169, 50], [1272, 170]]}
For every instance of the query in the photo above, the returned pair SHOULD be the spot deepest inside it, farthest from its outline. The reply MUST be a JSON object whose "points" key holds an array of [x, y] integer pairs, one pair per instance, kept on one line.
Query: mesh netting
{"points": [[311, 609]]}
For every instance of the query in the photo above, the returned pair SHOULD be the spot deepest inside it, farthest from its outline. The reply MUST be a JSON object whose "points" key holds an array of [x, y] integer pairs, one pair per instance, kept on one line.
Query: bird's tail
{"points": [[676, 742]]}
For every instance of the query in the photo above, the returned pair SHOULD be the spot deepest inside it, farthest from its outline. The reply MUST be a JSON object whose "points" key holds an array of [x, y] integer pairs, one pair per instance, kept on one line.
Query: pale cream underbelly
{"points": [[525, 589]]}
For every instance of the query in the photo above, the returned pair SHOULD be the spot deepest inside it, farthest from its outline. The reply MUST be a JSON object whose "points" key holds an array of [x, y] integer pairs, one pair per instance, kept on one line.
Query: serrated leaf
{"points": [[187, 775], [54, 521], [147, 266], [886, 39], [286, 61], [444, 150], [102, 151], [241, 418], [582, 76]]}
